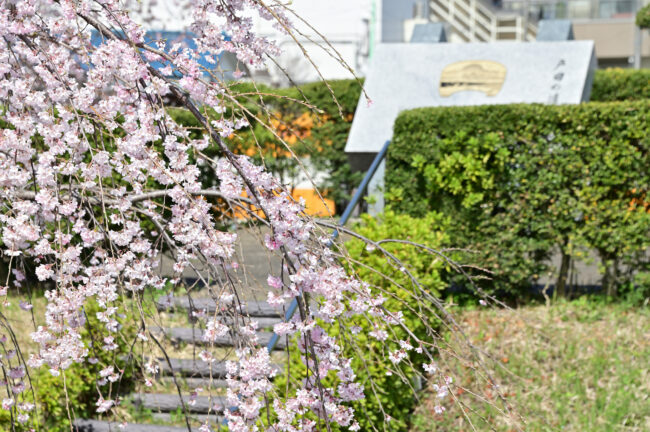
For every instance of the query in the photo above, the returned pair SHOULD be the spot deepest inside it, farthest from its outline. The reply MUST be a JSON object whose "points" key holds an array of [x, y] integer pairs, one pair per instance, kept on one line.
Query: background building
{"points": [[354, 27]]}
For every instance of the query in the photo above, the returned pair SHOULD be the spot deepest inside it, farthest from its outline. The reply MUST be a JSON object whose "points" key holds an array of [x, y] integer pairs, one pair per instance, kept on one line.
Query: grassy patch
{"points": [[575, 366]]}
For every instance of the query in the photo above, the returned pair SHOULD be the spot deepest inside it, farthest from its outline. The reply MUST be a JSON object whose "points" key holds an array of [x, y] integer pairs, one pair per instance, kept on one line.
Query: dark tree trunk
{"points": [[565, 265], [610, 278]]}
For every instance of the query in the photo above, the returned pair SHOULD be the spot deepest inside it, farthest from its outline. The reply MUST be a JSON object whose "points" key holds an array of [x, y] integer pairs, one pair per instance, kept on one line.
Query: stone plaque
{"points": [[477, 75], [406, 76]]}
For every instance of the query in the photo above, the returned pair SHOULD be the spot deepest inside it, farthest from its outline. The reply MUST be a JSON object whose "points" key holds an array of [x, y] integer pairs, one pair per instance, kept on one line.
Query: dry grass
{"points": [[576, 366], [23, 322]]}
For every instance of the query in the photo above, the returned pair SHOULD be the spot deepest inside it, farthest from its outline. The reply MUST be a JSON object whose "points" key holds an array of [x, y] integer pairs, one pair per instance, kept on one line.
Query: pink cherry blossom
{"points": [[97, 181]]}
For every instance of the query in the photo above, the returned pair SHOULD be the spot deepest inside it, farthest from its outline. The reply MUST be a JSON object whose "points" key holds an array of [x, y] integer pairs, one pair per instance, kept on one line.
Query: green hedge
{"points": [[523, 181], [325, 140], [617, 84], [387, 394]]}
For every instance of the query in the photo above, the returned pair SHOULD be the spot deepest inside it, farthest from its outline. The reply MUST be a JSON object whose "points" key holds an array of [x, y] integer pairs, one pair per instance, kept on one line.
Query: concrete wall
{"points": [[614, 40]]}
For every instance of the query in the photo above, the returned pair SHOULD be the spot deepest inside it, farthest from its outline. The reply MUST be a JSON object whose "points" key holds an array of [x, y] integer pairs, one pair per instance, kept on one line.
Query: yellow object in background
{"points": [[314, 205]]}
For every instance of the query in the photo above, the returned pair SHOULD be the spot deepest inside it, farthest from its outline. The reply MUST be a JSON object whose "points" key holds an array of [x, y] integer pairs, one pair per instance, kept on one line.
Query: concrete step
{"points": [[192, 368], [192, 383], [194, 336], [262, 322], [171, 402], [105, 426], [251, 308], [194, 418]]}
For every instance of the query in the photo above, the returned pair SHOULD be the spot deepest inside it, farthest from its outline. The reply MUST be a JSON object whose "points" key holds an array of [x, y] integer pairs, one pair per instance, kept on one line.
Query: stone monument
{"points": [[407, 76]]}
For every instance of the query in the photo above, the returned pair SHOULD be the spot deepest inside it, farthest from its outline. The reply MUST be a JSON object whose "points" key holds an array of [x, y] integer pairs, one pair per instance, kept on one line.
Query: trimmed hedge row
{"points": [[621, 85], [314, 124], [523, 181]]}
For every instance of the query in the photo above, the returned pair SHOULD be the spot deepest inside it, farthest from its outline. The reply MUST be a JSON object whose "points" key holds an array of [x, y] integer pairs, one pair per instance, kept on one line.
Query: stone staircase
{"points": [[168, 410]]}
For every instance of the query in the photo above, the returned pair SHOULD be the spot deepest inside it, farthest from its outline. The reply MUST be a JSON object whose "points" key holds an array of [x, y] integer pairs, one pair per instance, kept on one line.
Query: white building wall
{"points": [[352, 27], [346, 24]]}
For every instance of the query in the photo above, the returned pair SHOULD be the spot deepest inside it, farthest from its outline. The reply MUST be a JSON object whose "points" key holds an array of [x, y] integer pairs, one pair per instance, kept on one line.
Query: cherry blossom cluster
{"points": [[90, 161], [314, 273]]}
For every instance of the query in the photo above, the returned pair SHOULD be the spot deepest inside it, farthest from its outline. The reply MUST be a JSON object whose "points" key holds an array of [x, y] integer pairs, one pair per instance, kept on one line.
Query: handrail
{"points": [[344, 219]]}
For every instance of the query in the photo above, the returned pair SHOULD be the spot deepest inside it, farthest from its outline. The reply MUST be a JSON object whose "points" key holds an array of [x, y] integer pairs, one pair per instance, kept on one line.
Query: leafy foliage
{"points": [[429, 230], [307, 118], [618, 84], [643, 17], [522, 181]]}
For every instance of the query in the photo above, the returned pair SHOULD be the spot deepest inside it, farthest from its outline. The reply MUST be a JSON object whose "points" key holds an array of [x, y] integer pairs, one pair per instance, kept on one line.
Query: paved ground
{"points": [[254, 260]]}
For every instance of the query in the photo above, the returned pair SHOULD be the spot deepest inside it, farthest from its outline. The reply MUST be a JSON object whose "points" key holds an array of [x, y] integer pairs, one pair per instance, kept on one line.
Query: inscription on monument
{"points": [[479, 75], [407, 76], [558, 75]]}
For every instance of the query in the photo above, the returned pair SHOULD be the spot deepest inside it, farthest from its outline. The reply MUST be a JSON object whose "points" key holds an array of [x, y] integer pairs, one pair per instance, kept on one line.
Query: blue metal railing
{"points": [[344, 219]]}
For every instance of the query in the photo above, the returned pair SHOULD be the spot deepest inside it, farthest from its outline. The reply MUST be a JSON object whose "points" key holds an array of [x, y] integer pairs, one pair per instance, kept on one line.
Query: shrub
{"points": [[391, 394], [521, 181], [617, 84]]}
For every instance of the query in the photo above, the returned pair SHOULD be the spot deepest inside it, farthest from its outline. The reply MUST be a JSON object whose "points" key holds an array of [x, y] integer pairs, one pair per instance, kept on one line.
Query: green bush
{"points": [[523, 181], [611, 85], [432, 272], [429, 230], [394, 394]]}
